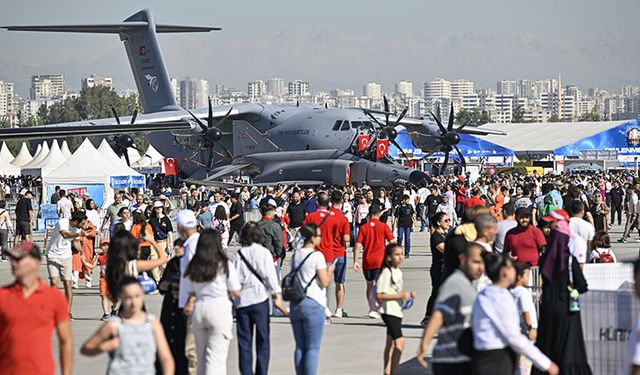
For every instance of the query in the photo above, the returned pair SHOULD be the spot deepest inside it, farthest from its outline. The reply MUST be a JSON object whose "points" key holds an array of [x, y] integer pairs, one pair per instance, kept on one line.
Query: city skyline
{"points": [[589, 42]]}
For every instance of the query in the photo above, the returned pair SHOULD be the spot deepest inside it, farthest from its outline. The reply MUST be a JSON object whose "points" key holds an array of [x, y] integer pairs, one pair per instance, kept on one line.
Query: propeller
{"points": [[211, 134], [449, 138], [123, 141]]}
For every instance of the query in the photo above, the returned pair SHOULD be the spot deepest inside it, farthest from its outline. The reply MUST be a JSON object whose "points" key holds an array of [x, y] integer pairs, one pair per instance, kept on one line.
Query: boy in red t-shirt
{"points": [[372, 239], [101, 261]]}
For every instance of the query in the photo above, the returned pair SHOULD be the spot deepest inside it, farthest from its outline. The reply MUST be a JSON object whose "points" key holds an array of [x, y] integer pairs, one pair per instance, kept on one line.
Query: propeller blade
{"points": [[126, 157], [462, 160], [375, 120], [210, 117], [402, 114], [444, 165], [386, 109], [404, 155], [463, 125], [224, 118], [115, 114], [443, 131], [450, 126], [226, 151], [202, 125], [135, 114]]}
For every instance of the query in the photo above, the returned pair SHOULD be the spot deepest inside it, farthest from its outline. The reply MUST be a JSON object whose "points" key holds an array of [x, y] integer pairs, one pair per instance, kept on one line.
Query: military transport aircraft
{"points": [[270, 143]]}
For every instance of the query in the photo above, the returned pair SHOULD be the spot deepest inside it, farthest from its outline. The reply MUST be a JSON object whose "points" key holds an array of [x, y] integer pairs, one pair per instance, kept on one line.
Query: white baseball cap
{"points": [[23, 191], [187, 219]]}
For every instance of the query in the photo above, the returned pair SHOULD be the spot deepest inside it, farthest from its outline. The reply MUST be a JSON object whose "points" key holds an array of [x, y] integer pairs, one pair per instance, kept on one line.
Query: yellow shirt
{"points": [[390, 282]]}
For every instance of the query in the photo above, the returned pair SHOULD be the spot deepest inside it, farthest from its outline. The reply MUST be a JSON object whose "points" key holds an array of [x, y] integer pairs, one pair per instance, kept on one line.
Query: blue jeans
{"points": [[307, 321], [246, 319], [423, 218], [405, 233], [274, 310]]}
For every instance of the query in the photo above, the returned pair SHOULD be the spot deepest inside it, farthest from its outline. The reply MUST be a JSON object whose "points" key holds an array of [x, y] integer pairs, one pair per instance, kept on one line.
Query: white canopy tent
{"points": [[134, 155], [8, 169], [151, 158], [23, 157], [44, 151], [87, 170], [53, 160], [5, 154], [65, 149], [106, 151]]}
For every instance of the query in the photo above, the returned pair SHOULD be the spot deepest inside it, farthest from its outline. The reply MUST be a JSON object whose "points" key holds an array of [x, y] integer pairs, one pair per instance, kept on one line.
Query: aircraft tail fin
{"points": [[248, 140], [138, 33]]}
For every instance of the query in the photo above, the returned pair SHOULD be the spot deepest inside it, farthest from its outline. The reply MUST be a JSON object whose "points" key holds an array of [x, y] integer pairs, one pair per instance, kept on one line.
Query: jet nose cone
{"points": [[416, 176]]}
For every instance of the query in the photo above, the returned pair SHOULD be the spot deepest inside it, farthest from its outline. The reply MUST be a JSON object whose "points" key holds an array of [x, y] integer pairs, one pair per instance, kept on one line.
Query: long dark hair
{"points": [[209, 258], [251, 233], [436, 220], [220, 214], [307, 231], [388, 251], [123, 247]]}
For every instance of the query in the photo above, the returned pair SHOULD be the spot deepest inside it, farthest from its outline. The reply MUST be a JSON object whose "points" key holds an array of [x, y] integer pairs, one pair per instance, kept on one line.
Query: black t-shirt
{"points": [[22, 209], [433, 201], [404, 215], [616, 195], [455, 245], [236, 209], [161, 227], [436, 239], [296, 214]]}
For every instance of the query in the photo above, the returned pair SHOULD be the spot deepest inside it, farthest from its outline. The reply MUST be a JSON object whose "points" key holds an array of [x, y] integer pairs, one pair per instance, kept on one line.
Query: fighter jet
{"points": [[269, 143]]}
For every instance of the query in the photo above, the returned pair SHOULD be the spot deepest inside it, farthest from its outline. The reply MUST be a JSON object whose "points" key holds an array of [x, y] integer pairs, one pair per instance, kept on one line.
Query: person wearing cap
{"points": [[29, 312], [188, 230], [525, 241], [24, 216]]}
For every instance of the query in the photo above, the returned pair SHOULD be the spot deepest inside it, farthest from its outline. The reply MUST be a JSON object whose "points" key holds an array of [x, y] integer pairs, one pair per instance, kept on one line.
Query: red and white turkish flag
{"points": [[170, 166], [363, 142], [382, 148]]}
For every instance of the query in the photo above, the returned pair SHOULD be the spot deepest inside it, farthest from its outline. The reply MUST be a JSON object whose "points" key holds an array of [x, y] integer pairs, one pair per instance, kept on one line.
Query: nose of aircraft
{"points": [[416, 176]]}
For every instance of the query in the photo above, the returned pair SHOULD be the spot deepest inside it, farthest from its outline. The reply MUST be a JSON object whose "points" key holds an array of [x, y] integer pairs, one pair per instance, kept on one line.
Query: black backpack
{"points": [[292, 289]]}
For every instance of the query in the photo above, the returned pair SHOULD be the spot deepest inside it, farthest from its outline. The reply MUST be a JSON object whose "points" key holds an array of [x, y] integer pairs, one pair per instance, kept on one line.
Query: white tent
{"points": [[5, 154], [44, 151], [134, 155], [151, 158], [65, 149], [53, 160], [106, 151], [23, 157], [88, 169], [8, 169]]}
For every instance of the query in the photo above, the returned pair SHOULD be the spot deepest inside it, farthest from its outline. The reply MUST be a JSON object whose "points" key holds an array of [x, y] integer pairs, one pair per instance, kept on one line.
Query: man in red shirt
{"points": [[29, 311], [372, 239], [475, 199], [342, 237], [328, 224], [525, 241]]}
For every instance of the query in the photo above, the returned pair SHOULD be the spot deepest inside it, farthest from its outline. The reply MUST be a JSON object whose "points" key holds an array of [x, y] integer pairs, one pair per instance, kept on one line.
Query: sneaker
{"points": [[327, 321], [406, 256], [75, 286], [622, 240], [5, 260], [105, 317], [374, 315], [88, 284], [340, 314]]}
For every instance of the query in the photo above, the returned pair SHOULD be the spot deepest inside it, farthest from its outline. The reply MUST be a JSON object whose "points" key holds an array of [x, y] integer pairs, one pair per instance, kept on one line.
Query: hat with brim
{"points": [[26, 248], [157, 204]]}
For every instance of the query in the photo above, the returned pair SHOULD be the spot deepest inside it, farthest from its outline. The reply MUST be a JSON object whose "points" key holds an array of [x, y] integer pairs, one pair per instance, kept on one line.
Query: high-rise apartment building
{"points": [[276, 87], [6, 98], [175, 89], [437, 89], [506, 87], [404, 88], [460, 88], [194, 93], [95, 80], [256, 89], [298, 88], [372, 90], [47, 86]]}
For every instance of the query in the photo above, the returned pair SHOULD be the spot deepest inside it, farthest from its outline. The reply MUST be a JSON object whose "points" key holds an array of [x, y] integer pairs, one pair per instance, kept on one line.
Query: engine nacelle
{"points": [[333, 172]]}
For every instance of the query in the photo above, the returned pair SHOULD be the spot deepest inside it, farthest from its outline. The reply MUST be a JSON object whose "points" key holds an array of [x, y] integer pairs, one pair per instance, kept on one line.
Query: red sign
{"points": [[79, 192], [170, 166], [363, 142], [382, 148]]}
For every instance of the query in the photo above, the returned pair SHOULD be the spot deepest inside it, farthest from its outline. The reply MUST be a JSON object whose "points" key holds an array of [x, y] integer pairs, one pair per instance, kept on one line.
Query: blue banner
{"points": [[624, 138], [96, 191], [469, 145], [120, 182], [138, 181]]}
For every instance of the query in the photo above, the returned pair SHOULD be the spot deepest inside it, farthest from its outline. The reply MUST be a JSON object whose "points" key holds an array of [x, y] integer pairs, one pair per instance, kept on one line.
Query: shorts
{"points": [[23, 228], [59, 268], [394, 325], [371, 275], [104, 290], [340, 273]]}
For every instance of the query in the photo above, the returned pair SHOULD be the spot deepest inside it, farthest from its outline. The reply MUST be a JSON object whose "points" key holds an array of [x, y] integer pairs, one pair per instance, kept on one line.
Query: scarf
{"points": [[557, 253]]}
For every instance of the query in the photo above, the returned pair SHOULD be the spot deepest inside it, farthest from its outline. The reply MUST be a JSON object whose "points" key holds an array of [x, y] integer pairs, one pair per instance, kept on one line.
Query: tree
{"points": [[473, 117], [518, 114], [591, 116]]}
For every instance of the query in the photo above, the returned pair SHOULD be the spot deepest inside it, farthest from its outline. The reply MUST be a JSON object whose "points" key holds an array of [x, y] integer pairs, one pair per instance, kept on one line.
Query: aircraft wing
{"points": [[87, 129], [415, 123]]}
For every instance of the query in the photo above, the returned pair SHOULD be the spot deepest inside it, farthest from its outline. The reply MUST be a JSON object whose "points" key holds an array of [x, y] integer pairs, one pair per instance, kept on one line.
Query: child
{"points": [[602, 252], [101, 261], [528, 316], [133, 338], [392, 299]]}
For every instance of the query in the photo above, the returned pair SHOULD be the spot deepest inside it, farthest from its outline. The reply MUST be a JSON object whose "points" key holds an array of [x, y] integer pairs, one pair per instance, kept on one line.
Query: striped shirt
{"points": [[455, 301]]}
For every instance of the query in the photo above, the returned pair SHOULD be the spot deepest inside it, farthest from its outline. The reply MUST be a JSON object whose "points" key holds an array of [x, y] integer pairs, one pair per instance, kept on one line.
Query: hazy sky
{"points": [[340, 44]]}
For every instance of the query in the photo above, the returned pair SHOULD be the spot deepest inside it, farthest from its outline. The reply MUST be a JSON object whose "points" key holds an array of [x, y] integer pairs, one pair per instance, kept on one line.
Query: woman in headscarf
{"points": [[560, 330], [496, 209]]}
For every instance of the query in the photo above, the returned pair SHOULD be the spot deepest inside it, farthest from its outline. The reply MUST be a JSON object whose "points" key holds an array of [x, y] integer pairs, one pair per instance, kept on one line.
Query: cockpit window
{"points": [[345, 125], [356, 124], [368, 124], [336, 126]]}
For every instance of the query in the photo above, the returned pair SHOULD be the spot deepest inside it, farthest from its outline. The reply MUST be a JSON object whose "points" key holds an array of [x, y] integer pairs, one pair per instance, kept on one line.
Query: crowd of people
{"points": [[485, 236]]}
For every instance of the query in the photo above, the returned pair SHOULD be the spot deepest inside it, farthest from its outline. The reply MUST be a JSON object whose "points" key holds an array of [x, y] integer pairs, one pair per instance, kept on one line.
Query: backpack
{"points": [[292, 289], [604, 257], [374, 304]]}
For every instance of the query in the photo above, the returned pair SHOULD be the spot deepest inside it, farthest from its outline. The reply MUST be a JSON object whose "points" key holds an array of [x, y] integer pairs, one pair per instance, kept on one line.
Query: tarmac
{"points": [[350, 346]]}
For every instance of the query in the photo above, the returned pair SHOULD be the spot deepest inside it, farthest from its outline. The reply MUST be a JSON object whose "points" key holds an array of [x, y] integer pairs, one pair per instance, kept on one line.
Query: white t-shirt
{"points": [[524, 301], [595, 254], [216, 288], [581, 228], [423, 193], [64, 206], [60, 247], [503, 227], [632, 356], [189, 251], [347, 210], [578, 248], [308, 271]]}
